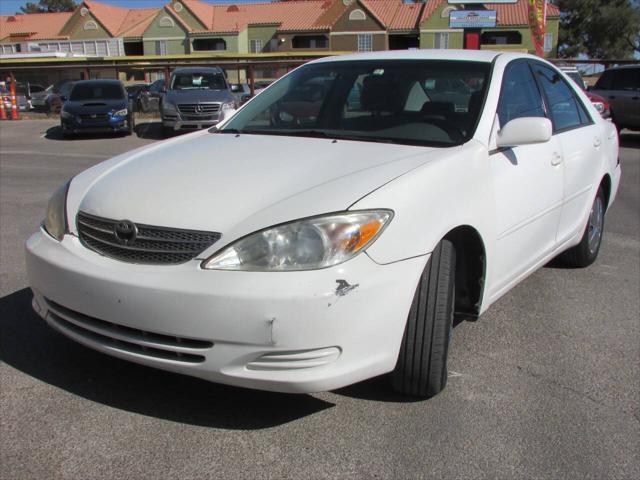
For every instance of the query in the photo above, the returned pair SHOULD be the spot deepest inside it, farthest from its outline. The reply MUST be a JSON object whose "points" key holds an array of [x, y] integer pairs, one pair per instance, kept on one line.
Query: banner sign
{"points": [[472, 19], [538, 24]]}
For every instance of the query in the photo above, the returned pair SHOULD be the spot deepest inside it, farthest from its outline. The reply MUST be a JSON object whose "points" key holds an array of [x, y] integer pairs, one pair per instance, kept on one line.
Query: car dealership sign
{"points": [[472, 19]]}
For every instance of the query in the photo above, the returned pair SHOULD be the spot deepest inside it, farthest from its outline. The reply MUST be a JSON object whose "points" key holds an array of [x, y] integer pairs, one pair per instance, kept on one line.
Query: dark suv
{"points": [[621, 87]]}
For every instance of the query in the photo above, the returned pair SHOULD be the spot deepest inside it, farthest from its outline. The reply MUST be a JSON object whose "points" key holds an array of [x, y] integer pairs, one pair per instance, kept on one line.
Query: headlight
{"points": [[66, 115], [121, 113], [309, 244], [228, 106], [55, 223], [168, 106]]}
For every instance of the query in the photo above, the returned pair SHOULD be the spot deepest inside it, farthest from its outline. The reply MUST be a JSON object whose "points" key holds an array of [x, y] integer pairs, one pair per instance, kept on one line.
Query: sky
{"points": [[9, 7]]}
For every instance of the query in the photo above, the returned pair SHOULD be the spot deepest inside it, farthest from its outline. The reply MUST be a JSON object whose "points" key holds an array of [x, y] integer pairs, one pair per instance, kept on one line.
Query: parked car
{"points": [[53, 97], [135, 92], [21, 101], [28, 89], [241, 91], [599, 102], [311, 256], [97, 106], [150, 98], [197, 97], [620, 86], [260, 85]]}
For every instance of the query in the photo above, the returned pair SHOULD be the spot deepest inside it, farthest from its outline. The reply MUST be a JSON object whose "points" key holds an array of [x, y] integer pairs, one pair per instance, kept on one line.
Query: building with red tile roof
{"points": [[191, 26]]}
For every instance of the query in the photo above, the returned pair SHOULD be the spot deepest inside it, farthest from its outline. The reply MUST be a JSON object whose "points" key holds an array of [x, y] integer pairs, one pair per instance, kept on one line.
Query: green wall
{"points": [[264, 33], [174, 47]]}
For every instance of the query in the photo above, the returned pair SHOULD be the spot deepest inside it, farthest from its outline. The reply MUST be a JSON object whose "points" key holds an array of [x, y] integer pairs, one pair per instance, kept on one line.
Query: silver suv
{"points": [[196, 97], [621, 87]]}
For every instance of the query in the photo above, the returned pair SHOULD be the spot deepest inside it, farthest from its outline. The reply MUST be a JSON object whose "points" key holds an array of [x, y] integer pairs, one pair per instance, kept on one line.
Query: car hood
{"points": [[236, 184], [94, 106], [195, 96]]}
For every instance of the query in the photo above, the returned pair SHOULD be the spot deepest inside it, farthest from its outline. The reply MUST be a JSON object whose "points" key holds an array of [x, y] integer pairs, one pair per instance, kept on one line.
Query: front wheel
{"points": [[586, 252], [421, 369]]}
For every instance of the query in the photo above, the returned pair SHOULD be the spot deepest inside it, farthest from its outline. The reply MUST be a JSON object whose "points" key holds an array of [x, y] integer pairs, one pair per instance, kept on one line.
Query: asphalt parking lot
{"points": [[545, 385]]}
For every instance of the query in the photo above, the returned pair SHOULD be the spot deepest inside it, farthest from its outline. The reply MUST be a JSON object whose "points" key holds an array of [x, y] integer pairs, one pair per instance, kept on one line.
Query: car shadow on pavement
{"points": [[30, 346], [55, 133], [630, 140], [150, 130]]}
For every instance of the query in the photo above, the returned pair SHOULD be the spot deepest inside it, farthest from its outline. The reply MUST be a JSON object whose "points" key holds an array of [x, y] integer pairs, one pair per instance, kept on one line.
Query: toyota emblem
{"points": [[125, 232]]}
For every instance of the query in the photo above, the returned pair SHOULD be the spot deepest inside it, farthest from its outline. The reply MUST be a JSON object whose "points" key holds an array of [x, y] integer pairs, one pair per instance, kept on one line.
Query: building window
{"points": [[502, 38], [166, 22], [365, 42], [309, 41], [207, 44], [161, 47], [441, 40], [357, 15], [548, 42], [91, 25], [256, 46]]}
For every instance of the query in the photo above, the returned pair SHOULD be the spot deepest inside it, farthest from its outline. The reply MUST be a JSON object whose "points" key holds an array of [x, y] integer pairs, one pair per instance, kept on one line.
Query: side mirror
{"points": [[525, 131]]}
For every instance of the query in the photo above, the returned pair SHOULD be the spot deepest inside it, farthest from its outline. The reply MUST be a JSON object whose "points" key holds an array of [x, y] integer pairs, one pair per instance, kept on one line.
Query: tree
{"points": [[43, 6], [599, 28]]}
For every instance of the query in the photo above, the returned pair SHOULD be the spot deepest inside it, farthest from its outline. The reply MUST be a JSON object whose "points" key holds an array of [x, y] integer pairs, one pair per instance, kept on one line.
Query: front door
{"points": [[528, 185]]}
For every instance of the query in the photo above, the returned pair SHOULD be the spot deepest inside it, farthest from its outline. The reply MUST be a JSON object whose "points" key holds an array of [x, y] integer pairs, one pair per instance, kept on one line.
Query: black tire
{"points": [[586, 252], [421, 369], [131, 123]]}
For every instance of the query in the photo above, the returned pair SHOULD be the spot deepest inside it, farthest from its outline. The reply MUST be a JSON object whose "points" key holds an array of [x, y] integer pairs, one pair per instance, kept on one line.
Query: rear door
{"points": [[581, 142], [528, 183]]}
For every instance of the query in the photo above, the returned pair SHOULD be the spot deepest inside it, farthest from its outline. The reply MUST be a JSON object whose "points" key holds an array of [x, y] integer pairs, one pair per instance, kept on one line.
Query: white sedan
{"points": [[335, 227]]}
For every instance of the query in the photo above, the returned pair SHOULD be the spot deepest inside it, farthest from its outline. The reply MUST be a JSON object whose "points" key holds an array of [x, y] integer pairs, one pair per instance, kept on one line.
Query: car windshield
{"points": [[197, 81], [434, 103], [96, 91]]}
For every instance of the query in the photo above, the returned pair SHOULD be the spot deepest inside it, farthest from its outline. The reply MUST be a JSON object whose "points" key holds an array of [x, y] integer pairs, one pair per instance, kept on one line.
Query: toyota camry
{"points": [[336, 226]]}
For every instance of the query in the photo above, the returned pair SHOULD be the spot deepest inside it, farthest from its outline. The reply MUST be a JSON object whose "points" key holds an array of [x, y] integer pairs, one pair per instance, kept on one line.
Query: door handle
{"points": [[597, 142], [556, 159]]}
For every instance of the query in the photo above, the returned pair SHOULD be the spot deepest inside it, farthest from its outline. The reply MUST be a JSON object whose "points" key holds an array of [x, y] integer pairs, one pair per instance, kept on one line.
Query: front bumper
{"points": [[176, 123], [288, 331], [110, 125]]}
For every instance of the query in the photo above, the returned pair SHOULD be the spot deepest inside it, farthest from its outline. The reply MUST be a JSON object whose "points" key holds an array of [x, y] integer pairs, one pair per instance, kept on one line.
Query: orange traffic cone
{"points": [[3, 113], [14, 104]]}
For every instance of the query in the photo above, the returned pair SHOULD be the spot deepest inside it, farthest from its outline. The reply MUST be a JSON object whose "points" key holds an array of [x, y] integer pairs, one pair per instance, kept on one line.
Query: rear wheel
{"points": [[586, 252], [421, 369]]}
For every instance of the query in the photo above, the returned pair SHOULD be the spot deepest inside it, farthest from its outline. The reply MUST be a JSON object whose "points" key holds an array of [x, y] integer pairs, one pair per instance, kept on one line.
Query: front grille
{"points": [[203, 109], [197, 118], [98, 117], [151, 245], [128, 339]]}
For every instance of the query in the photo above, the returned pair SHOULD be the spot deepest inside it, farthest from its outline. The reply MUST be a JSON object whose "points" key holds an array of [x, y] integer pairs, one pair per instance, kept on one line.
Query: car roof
{"points": [[99, 82], [624, 67], [422, 54], [197, 69]]}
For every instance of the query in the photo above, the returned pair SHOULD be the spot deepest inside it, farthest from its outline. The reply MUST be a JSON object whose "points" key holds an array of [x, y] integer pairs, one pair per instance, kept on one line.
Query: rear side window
{"points": [[566, 110], [520, 96], [627, 79], [605, 82]]}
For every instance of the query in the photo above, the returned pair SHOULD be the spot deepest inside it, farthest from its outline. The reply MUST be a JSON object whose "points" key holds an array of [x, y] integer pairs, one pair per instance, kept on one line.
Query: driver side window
{"points": [[520, 96]]}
